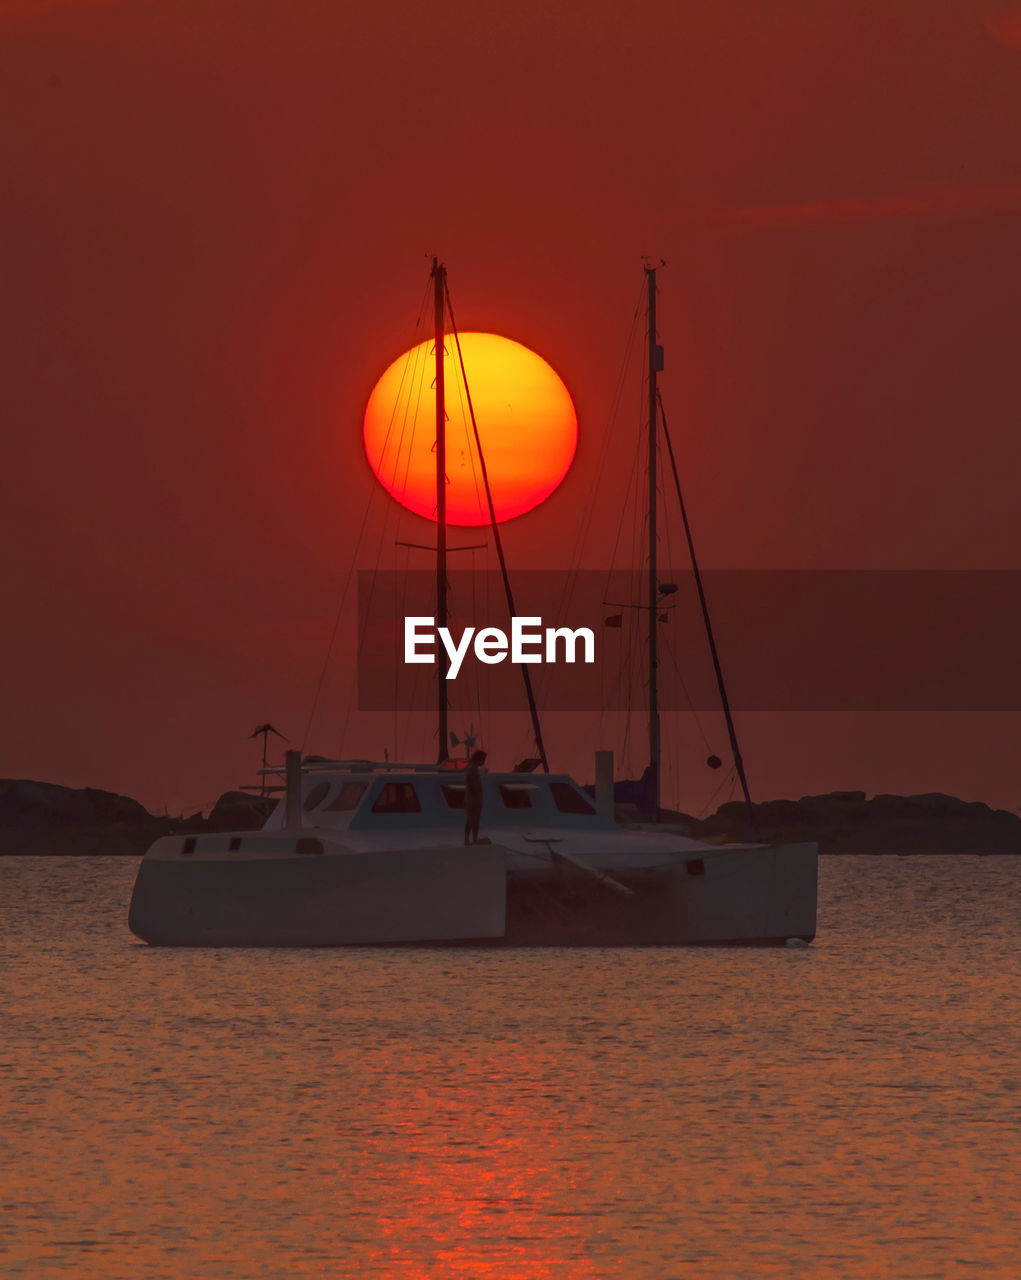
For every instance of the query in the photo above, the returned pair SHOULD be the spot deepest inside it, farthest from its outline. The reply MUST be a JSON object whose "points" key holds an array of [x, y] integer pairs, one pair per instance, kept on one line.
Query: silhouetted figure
{"points": [[473, 797]]}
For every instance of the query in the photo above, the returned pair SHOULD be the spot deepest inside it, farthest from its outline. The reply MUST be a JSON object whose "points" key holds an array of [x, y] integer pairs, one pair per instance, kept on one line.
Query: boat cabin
{"points": [[369, 798]]}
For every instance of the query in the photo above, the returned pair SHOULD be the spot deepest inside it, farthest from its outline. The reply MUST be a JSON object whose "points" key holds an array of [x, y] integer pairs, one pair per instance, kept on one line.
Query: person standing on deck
{"points": [[473, 797]]}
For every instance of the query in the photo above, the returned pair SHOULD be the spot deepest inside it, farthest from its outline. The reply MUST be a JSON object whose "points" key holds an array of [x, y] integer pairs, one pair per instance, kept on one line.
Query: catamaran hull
{"points": [[743, 896], [457, 896], [431, 895]]}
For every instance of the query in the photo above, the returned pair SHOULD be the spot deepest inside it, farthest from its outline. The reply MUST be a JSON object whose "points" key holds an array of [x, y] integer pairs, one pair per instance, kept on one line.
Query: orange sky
{"points": [[216, 227]]}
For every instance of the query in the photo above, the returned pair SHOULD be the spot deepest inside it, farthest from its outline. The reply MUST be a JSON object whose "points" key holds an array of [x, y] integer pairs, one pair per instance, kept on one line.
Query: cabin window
{"points": [[454, 795], [397, 797], [568, 800], [347, 797], [515, 798], [316, 796]]}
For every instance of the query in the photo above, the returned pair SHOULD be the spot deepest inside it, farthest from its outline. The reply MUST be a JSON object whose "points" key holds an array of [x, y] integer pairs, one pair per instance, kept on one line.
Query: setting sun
{"points": [[526, 420]]}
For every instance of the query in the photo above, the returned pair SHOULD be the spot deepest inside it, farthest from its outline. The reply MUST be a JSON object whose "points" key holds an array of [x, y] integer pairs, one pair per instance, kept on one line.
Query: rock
{"points": [[845, 822], [835, 797], [240, 811], [41, 817], [677, 820]]}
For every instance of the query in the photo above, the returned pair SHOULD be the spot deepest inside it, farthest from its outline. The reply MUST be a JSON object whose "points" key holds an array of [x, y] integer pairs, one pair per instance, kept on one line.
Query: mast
{"points": [[655, 365], [439, 275]]}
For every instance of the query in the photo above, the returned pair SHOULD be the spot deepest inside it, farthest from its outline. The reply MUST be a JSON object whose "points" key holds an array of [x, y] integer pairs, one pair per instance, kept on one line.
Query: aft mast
{"points": [[439, 276], [655, 366]]}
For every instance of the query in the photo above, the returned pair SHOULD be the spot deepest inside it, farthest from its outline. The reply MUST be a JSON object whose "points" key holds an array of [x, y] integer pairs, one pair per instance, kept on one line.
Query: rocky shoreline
{"points": [[845, 822], [43, 818]]}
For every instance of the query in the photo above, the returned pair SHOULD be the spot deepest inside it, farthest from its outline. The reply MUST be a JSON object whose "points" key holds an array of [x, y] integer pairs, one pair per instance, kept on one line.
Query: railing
{"points": [[370, 766]]}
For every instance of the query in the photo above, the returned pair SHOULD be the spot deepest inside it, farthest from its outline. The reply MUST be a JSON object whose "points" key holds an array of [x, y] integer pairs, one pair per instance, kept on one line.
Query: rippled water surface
{"points": [[851, 1109]]}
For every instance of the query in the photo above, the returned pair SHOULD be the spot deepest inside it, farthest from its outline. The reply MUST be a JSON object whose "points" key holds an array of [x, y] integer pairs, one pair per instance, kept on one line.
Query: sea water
{"points": [[850, 1109]]}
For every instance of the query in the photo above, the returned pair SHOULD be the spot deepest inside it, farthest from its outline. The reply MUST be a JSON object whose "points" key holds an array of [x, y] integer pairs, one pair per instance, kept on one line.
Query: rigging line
{"points": [[631, 489], [397, 665], [586, 523], [480, 511], [420, 354], [724, 782], [717, 668], [468, 441], [687, 696], [635, 641], [669, 638], [633, 470], [397, 672], [640, 513], [410, 362], [417, 377], [411, 354], [487, 675], [634, 638], [590, 509], [607, 695], [373, 494], [401, 509], [416, 354], [625, 509], [407, 467], [418, 380], [626, 668], [373, 581], [336, 625], [368, 606], [669, 635], [478, 665], [497, 541], [631, 665]]}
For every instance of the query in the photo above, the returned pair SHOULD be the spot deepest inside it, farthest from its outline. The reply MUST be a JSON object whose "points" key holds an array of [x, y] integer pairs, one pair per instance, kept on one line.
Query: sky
{"points": [[217, 223]]}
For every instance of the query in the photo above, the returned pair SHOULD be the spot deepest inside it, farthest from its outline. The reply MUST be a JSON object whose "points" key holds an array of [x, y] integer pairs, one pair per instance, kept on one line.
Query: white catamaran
{"points": [[362, 852]]}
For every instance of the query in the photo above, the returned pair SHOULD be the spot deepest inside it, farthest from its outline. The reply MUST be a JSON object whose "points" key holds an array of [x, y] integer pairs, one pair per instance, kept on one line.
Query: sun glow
{"points": [[526, 420]]}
